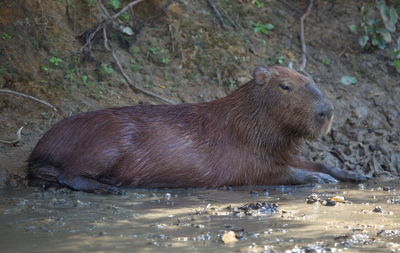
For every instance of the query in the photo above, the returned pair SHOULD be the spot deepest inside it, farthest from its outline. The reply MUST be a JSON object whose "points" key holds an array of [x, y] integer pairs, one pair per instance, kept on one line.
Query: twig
{"points": [[217, 13], [303, 42], [172, 38], [27, 96], [229, 18], [107, 21], [116, 15], [129, 81], [19, 138], [104, 9]]}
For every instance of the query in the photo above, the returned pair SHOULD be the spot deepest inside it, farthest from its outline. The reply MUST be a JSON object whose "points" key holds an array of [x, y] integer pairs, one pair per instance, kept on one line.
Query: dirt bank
{"points": [[178, 50]]}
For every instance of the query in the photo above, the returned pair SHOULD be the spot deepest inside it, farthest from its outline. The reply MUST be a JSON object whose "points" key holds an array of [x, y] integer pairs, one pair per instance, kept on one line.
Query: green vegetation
{"points": [[125, 16], [3, 70], [85, 80], [92, 3], [45, 69], [165, 60], [55, 61], [135, 50], [106, 70], [136, 67], [347, 80], [259, 4], [115, 4], [6, 36], [154, 50], [378, 30], [70, 75], [280, 59], [395, 56], [263, 28], [326, 61]]}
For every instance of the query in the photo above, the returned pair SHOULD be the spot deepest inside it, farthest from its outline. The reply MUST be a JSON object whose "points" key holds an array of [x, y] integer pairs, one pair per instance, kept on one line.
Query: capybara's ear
{"points": [[261, 75]]}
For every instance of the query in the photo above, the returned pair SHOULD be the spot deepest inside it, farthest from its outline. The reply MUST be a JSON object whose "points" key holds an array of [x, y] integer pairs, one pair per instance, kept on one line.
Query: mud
{"points": [[204, 62], [197, 220], [181, 53]]}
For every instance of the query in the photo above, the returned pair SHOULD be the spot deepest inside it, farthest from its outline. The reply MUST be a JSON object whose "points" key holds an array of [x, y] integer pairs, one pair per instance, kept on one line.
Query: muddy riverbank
{"points": [[180, 52], [362, 218]]}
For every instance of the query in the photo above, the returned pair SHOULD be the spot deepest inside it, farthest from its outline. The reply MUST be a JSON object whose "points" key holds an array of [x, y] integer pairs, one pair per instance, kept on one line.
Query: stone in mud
{"points": [[229, 237], [259, 208], [378, 209], [329, 202], [313, 198]]}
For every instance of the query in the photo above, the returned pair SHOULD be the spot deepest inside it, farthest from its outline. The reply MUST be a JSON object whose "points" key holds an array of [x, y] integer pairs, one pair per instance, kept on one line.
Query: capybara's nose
{"points": [[324, 110]]}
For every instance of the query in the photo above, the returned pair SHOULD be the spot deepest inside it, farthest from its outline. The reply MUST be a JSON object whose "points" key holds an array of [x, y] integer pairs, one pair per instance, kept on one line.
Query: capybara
{"points": [[250, 137]]}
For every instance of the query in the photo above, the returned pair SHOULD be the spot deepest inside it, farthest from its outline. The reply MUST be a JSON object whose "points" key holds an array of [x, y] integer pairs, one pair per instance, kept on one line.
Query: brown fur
{"points": [[251, 137]]}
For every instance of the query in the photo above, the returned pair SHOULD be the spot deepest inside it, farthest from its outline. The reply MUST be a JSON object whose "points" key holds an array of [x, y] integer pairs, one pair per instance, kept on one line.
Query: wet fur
{"points": [[250, 137]]}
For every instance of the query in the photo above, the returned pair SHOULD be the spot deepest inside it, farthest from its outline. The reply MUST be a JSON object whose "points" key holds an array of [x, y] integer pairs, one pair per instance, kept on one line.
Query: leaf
{"points": [[115, 4], [326, 61], [381, 43], [363, 40], [85, 79], [263, 28], [265, 31], [165, 60], [389, 16], [352, 28], [398, 43], [125, 16], [371, 22], [375, 41], [269, 26], [396, 64], [386, 36], [393, 15], [347, 80]]}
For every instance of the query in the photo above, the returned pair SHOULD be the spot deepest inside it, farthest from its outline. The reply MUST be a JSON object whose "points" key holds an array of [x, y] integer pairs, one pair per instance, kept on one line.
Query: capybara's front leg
{"points": [[301, 176], [344, 175], [338, 173]]}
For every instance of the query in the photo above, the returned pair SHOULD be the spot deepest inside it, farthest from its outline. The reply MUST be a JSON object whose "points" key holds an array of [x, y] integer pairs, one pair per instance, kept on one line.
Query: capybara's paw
{"points": [[353, 176], [347, 176], [301, 176], [115, 191], [321, 178]]}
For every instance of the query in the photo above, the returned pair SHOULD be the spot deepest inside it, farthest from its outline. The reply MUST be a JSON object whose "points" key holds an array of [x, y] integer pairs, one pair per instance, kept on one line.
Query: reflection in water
{"points": [[196, 220]]}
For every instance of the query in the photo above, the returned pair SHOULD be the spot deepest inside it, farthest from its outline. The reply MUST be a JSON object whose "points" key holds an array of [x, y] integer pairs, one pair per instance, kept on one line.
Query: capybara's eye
{"points": [[285, 87]]}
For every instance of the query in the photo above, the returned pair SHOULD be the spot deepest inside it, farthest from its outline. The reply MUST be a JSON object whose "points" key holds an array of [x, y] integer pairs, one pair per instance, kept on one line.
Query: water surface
{"points": [[196, 219]]}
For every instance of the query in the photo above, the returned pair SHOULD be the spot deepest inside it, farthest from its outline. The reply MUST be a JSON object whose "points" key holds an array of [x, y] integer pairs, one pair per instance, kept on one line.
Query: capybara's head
{"points": [[296, 106]]}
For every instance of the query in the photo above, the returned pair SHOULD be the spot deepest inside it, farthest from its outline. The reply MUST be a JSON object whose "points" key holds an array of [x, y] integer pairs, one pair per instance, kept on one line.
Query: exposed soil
{"points": [[179, 51]]}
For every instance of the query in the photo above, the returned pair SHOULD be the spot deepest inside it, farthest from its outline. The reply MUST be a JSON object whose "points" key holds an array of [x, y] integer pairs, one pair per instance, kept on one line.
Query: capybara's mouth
{"points": [[327, 126]]}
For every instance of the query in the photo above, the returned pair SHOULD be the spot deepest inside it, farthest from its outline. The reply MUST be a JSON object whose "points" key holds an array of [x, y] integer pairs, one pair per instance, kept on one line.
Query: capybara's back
{"points": [[138, 146], [251, 137]]}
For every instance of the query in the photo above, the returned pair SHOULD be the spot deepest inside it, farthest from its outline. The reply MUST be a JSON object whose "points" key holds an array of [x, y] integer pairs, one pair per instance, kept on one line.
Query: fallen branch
{"points": [[217, 13], [28, 96], [126, 77], [106, 22], [303, 42], [19, 138], [229, 18]]}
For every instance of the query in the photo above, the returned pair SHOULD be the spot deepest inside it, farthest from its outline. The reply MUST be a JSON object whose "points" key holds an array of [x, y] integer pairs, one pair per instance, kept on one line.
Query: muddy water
{"points": [[362, 219]]}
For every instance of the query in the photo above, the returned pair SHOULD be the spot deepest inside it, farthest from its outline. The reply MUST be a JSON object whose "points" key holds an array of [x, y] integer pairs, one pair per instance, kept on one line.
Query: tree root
{"points": [[28, 96], [302, 39], [19, 138]]}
